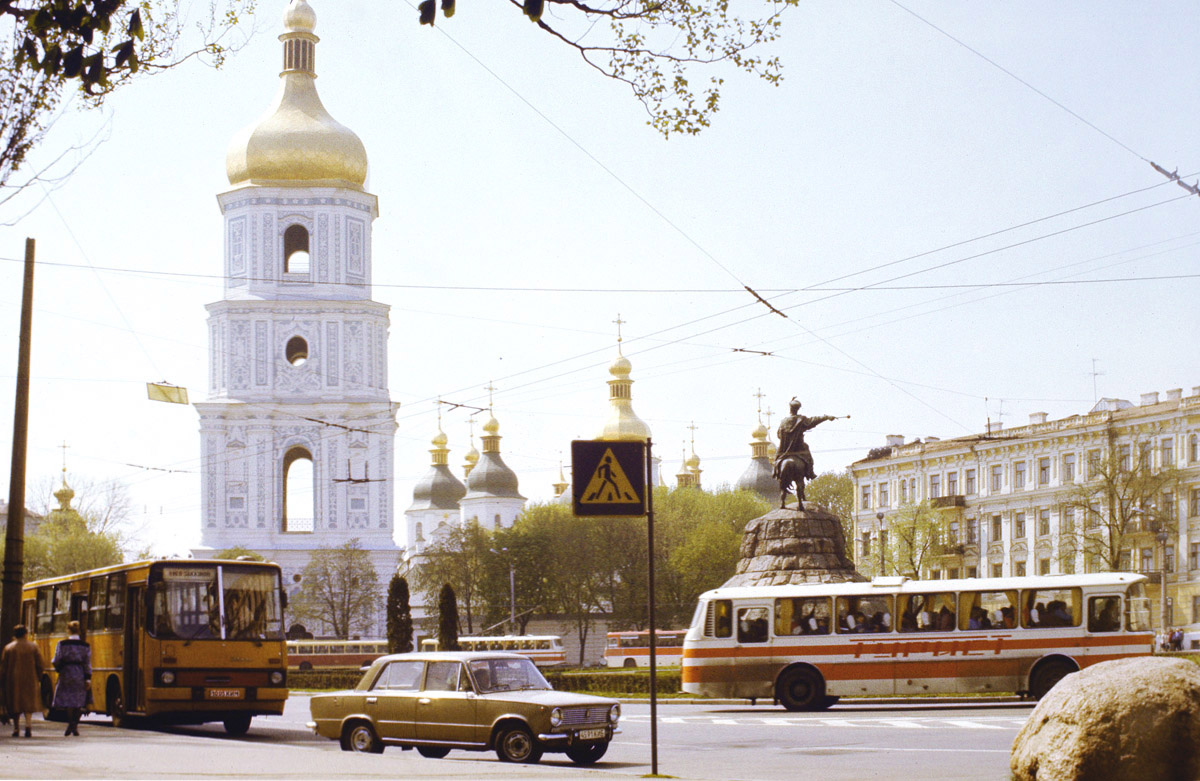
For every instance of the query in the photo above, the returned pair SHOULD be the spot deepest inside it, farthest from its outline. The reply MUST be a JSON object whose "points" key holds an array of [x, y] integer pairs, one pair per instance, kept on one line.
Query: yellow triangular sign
{"points": [[609, 485]]}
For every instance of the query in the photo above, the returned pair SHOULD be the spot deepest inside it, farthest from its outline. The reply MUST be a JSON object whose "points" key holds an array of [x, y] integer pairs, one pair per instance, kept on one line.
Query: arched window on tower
{"points": [[295, 250], [298, 478]]}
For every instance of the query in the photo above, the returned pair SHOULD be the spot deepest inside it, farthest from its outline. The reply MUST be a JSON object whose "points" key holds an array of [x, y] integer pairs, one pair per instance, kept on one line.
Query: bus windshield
{"points": [[215, 602]]}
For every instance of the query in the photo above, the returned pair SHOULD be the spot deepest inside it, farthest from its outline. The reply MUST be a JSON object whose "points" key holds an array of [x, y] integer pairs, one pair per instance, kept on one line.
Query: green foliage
{"points": [[460, 558], [914, 539], [237, 552], [447, 619], [338, 590], [65, 544], [657, 47], [835, 492], [615, 682], [399, 617]]}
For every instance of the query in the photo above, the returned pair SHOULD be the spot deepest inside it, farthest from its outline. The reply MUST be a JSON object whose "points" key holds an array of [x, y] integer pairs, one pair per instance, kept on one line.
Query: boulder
{"points": [[794, 546], [1135, 719]]}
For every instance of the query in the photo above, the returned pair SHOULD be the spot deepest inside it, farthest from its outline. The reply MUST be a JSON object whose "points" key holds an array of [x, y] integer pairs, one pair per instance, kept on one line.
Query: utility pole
{"points": [[14, 536]]}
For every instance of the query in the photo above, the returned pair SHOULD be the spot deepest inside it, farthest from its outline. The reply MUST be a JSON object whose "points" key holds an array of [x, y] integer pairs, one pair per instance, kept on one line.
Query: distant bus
{"points": [[632, 649], [544, 650], [322, 654], [182, 641], [806, 645]]}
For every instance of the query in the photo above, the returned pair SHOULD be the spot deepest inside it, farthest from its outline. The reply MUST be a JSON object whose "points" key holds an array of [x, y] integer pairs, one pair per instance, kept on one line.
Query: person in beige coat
{"points": [[21, 673]]}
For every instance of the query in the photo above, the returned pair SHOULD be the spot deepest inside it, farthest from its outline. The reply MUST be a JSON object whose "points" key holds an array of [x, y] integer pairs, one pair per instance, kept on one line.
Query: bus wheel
{"points": [[1047, 676], [358, 736], [239, 724], [801, 688], [630, 663], [433, 752]]}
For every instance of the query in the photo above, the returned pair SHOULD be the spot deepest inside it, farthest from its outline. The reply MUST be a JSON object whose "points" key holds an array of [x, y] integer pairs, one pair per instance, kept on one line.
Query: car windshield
{"points": [[503, 675]]}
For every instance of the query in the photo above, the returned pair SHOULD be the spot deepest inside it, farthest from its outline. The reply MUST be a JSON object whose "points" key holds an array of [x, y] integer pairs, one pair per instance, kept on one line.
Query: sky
{"points": [[953, 204]]}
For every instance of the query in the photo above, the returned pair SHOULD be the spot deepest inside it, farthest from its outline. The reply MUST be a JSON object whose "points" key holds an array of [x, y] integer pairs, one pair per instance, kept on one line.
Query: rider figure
{"points": [[791, 438]]}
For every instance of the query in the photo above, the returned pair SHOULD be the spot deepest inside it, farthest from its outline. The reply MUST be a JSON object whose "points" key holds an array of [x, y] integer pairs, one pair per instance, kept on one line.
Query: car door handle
{"points": [[424, 700], [372, 700]]}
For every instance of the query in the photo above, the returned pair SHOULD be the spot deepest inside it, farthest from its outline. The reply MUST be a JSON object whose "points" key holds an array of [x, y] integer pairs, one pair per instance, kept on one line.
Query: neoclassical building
{"points": [[297, 432], [1006, 500]]}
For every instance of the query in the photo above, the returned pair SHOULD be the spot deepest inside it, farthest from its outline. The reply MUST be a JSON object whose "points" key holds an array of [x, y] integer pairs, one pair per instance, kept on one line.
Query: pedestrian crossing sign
{"points": [[608, 478]]}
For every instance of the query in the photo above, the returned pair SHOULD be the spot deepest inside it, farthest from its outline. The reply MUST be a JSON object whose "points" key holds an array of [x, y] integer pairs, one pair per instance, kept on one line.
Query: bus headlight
{"points": [[556, 717], [614, 713], [276, 677], [167, 677]]}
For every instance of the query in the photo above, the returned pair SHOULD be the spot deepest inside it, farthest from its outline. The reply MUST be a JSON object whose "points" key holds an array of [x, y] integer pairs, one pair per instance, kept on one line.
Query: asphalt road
{"points": [[695, 741]]}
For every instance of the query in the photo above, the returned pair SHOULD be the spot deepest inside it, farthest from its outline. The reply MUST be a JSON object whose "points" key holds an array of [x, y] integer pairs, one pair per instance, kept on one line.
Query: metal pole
{"points": [[882, 567], [1162, 583], [14, 536], [512, 598], [653, 639]]}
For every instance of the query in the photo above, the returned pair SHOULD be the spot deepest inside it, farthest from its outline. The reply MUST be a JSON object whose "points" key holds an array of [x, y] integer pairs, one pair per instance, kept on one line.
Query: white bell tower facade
{"points": [[297, 433]]}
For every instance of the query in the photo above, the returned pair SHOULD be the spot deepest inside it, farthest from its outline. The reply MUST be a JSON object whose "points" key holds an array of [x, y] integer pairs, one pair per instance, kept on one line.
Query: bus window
{"points": [[927, 612], [864, 614], [1104, 614], [719, 621], [1051, 607], [988, 610], [116, 600], [97, 603], [45, 610], [1137, 608], [62, 606], [800, 616], [752, 625], [251, 603]]}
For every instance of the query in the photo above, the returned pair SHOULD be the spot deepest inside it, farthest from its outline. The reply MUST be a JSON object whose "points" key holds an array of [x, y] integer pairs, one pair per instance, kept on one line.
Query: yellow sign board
{"points": [[609, 477]]}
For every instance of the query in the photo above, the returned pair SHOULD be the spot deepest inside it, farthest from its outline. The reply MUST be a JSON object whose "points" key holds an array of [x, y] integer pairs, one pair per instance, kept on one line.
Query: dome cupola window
{"points": [[295, 250], [296, 351]]}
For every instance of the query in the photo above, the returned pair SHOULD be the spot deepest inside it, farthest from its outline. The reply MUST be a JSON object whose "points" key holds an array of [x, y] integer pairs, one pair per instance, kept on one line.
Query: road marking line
{"points": [[904, 723], [970, 724]]}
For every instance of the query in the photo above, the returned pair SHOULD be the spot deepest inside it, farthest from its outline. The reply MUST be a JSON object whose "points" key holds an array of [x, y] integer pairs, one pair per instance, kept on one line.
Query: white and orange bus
{"points": [[544, 650], [806, 645], [325, 654], [632, 649]]}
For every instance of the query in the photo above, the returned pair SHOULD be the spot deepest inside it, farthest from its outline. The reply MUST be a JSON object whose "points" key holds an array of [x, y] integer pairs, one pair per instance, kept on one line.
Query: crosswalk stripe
{"points": [[971, 724]]}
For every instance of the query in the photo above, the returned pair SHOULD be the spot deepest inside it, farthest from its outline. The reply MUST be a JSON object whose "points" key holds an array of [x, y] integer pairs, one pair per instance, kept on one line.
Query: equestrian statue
{"points": [[794, 461]]}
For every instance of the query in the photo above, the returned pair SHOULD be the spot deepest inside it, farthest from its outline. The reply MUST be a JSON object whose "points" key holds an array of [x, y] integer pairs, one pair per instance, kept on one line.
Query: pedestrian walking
{"points": [[21, 674], [73, 661]]}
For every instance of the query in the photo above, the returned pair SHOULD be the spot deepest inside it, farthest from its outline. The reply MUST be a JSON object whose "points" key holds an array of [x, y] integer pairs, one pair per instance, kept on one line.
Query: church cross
{"points": [[619, 323]]}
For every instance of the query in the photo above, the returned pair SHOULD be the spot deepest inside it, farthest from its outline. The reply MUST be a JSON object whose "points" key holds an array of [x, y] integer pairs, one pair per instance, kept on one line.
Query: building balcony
{"points": [[948, 502]]}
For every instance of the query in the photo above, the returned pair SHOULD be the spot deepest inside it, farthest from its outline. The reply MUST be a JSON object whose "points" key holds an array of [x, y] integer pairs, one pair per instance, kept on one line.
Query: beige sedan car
{"points": [[435, 702]]}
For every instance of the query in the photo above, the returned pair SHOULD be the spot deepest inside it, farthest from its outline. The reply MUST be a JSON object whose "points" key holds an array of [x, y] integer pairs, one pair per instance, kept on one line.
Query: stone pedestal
{"points": [[794, 546]]}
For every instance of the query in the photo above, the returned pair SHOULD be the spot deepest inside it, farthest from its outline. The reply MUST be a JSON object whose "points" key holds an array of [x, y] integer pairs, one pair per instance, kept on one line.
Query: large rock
{"points": [[1135, 719], [794, 546]]}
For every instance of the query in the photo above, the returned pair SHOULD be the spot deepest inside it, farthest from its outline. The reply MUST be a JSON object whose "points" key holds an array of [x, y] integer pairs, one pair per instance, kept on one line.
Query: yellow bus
{"points": [[807, 645], [178, 641]]}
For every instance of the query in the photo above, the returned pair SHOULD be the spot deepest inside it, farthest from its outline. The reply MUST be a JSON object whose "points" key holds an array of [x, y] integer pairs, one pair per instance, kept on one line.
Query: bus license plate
{"points": [[225, 694], [593, 734]]}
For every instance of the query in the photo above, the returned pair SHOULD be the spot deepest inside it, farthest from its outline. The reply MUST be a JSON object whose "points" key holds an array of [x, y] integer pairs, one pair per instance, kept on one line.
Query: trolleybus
{"points": [[320, 654], [181, 641], [632, 649], [544, 650], [806, 645]]}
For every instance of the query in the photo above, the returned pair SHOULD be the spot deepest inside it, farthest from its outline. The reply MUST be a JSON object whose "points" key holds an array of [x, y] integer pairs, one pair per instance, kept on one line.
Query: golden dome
{"points": [[623, 424], [296, 140], [693, 462], [621, 367], [472, 456], [759, 433], [492, 426], [440, 439]]}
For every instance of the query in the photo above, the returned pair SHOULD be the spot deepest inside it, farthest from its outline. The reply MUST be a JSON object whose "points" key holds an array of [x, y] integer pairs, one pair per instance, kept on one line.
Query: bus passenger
{"points": [[945, 619], [1058, 614], [1008, 617]]}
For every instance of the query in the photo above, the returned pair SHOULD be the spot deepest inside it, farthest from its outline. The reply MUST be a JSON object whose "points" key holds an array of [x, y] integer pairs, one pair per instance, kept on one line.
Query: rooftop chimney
{"points": [[1037, 417], [895, 440], [1149, 399], [1174, 394], [995, 426]]}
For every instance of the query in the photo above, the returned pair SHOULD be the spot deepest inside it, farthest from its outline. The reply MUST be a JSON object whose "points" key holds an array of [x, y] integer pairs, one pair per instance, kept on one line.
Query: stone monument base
{"points": [[794, 546]]}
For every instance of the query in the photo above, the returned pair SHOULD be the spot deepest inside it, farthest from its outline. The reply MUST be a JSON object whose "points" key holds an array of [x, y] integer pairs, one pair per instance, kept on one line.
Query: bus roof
{"points": [[902, 585], [132, 565]]}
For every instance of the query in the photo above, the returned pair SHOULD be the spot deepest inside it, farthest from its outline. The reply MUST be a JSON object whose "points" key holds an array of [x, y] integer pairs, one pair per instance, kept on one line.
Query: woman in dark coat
{"points": [[73, 661], [20, 674]]}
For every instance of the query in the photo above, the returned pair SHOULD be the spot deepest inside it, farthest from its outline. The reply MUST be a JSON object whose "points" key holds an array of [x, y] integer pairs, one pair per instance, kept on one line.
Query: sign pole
{"points": [[653, 639]]}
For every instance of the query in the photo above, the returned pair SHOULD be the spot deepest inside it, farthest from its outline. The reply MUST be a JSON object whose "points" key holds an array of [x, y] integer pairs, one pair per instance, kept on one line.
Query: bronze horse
{"points": [[793, 470]]}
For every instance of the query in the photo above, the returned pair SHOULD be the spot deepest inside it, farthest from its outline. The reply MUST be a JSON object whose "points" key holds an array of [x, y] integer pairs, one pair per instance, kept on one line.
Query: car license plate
{"points": [[225, 694], [593, 734]]}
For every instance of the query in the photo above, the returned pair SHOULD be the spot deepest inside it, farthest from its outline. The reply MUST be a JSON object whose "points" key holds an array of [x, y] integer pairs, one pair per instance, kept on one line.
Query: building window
{"points": [[997, 528], [296, 351], [1068, 564], [1146, 563], [295, 250], [298, 504], [997, 478], [866, 497], [1019, 525], [1124, 455], [866, 545], [952, 484], [935, 574], [1167, 451], [1018, 475], [912, 489], [1093, 461], [1194, 503], [1169, 564], [1044, 522], [237, 503], [935, 486], [972, 531], [1194, 448], [496, 521], [417, 535], [1043, 471], [1144, 455], [970, 482], [903, 491], [1019, 569], [997, 570], [972, 572], [1195, 557], [952, 537], [1068, 520], [358, 503], [883, 495], [1043, 566], [1069, 468], [952, 573], [1168, 505]]}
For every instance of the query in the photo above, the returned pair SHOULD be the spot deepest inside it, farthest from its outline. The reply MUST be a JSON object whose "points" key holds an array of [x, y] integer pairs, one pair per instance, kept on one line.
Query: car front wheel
{"points": [[586, 753], [432, 752], [516, 744], [360, 737]]}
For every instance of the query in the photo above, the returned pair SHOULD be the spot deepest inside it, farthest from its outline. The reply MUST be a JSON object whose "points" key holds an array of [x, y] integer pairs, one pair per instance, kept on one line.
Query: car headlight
{"points": [[614, 713], [556, 717], [167, 677], [276, 677]]}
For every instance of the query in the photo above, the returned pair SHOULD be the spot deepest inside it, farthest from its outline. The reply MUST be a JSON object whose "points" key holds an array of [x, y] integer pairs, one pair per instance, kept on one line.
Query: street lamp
{"points": [[882, 564], [512, 593], [1161, 536]]}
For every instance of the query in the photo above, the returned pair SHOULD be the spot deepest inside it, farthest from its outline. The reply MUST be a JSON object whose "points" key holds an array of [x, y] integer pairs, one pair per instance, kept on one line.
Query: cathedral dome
{"points": [[297, 141], [438, 489], [492, 477]]}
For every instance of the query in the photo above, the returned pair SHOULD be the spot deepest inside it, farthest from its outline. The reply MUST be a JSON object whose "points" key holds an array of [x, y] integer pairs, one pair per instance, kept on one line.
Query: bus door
{"points": [[135, 639], [79, 612], [754, 667]]}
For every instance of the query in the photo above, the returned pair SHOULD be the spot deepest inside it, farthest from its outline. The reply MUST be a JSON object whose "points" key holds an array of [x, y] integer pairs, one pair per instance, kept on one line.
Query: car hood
{"points": [[549, 698]]}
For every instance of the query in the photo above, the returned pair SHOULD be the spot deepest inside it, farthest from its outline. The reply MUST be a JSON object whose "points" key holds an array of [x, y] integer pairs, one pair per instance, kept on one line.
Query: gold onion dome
{"points": [[759, 433], [472, 456], [623, 424], [297, 140], [492, 426], [439, 439], [693, 462]]}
